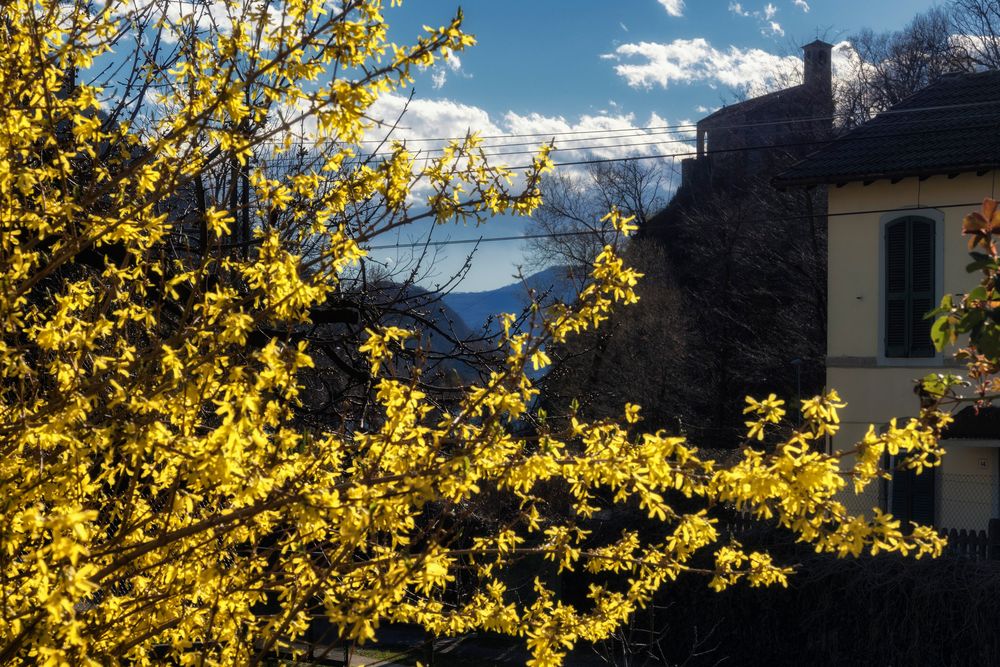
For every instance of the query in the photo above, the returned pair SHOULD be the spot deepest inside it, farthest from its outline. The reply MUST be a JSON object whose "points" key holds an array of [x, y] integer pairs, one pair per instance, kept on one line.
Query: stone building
{"points": [[747, 259], [757, 137]]}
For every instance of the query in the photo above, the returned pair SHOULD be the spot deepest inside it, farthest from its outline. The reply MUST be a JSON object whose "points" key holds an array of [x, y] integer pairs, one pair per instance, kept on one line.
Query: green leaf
{"points": [[942, 332], [980, 256], [981, 264], [977, 294], [938, 385], [944, 308], [987, 341], [971, 320]]}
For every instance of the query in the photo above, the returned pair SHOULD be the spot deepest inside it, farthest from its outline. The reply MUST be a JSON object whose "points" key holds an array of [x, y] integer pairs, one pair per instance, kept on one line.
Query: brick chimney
{"points": [[818, 70]]}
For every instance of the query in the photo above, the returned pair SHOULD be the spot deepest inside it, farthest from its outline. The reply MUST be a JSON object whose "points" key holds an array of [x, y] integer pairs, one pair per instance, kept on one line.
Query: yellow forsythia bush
{"points": [[159, 499]]}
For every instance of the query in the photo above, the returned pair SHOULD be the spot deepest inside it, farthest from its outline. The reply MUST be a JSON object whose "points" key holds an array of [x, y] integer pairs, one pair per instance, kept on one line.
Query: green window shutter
{"points": [[922, 295], [913, 497], [902, 495], [922, 502], [895, 289], [909, 287]]}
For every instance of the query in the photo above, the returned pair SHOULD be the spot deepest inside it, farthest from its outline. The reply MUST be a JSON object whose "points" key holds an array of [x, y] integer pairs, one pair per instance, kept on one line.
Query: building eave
{"points": [[894, 175]]}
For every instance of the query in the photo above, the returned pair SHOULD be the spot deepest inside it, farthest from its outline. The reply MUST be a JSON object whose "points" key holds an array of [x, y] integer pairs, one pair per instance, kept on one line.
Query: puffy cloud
{"points": [[846, 62], [602, 136], [673, 7], [751, 71], [422, 119], [801, 4], [775, 28], [649, 64], [177, 18], [513, 137]]}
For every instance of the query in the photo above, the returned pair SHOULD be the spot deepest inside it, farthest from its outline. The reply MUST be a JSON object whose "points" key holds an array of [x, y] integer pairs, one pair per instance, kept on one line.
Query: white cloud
{"points": [[845, 60], [603, 135], [765, 17], [439, 72], [426, 121], [178, 18], [426, 118], [649, 64], [673, 7], [801, 4]]}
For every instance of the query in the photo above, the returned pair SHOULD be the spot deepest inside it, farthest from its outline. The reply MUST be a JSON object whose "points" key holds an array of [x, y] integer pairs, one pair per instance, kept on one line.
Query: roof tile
{"points": [[951, 126]]}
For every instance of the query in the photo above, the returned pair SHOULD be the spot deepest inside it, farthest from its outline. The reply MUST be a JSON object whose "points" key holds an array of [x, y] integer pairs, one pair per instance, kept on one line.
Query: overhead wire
{"points": [[742, 149], [692, 126], [589, 232], [676, 129], [428, 243], [642, 132]]}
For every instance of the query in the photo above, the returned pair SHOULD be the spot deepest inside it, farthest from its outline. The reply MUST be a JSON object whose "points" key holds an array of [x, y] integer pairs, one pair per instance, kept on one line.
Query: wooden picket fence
{"points": [[971, 544], [966, 544], [974, 544]]}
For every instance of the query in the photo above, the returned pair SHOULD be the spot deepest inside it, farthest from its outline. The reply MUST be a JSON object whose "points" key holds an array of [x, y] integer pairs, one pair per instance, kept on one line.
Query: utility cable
{"points": [[587, 232]]}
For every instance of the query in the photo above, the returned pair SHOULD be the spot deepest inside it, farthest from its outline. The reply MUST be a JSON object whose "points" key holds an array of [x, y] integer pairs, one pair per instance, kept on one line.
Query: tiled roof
{"points": [[952, 126], [779, 98]]}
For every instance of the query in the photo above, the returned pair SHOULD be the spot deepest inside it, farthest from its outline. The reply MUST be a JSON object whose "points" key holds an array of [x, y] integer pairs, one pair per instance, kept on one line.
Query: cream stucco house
{"points": [[898, 189]]}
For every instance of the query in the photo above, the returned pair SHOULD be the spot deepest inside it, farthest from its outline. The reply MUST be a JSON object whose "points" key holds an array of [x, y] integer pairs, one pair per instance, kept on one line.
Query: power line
{"points": [[655, 130], [486, 239], [588, 232], [745, 149], [612, 134], [757, 147], [645, 143], [291, 159], [637, 132], [522, 135], [741, 149], [688, 127]]}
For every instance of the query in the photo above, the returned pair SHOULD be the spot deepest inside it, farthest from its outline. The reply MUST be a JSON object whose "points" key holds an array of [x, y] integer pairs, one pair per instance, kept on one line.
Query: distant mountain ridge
{"points": [[476, 307]]}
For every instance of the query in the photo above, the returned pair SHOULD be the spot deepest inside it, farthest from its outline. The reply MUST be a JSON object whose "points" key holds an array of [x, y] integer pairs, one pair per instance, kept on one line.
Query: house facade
{"points": [[898, 189]]}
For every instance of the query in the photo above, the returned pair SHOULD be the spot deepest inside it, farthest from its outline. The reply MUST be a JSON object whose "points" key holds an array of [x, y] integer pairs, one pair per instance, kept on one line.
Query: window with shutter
{"points": [[913, 496], [909, 286]]}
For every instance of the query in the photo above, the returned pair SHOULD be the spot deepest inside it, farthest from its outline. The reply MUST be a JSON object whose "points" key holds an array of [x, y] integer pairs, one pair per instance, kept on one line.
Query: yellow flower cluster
{"points": [[161, 500]]}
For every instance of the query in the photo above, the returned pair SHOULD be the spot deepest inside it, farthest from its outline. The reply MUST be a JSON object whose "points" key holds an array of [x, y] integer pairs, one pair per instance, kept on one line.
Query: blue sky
{"points": [[546, 66]]}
